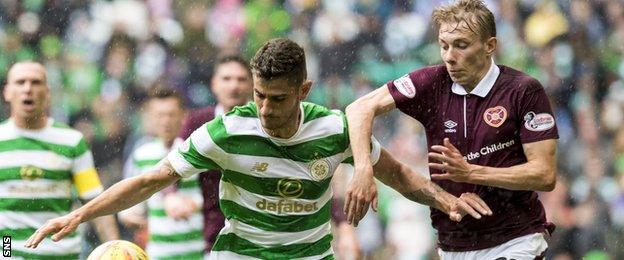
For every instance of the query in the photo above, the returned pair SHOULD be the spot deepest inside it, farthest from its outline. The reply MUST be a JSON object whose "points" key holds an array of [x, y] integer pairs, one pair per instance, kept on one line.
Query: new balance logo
{"points": [[450, 126], [260, 167]]}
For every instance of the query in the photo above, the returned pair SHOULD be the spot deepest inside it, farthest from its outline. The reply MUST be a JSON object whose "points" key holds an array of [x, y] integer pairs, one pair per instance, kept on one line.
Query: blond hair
{"points": [[477, 16]]}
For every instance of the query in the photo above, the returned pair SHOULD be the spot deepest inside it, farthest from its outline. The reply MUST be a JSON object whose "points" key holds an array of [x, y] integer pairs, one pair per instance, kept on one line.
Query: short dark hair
{"points": [[280, 58], [164, 93], [233, 58]]}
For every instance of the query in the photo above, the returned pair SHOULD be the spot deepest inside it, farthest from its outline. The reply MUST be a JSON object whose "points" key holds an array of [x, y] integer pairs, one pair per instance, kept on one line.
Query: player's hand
{"points": [[361, 193], [451, 163], [469, 204], [60, 227], [178, 206]]}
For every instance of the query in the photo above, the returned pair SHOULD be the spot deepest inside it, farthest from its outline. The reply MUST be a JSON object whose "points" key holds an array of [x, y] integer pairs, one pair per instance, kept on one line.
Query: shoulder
{"points": [[247, 110], [313, 111], [433, 72], [518, 80], [65, 135]]}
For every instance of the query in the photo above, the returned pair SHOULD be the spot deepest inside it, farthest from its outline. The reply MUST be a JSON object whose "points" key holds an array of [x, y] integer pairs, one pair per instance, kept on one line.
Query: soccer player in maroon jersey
{"points": [[491, 131]]}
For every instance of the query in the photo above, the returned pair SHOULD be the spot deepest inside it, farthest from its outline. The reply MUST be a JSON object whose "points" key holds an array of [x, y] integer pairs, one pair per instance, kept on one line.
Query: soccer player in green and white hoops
{"points": [[172, 235], [41, 162], [277, 156]]}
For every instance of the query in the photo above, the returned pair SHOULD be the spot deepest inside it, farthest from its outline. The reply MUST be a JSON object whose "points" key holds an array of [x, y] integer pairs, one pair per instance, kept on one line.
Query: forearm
{"points": [[527, 176], [124, 194], [360, 119], [421, 190], [106, 228], [412, 185]]}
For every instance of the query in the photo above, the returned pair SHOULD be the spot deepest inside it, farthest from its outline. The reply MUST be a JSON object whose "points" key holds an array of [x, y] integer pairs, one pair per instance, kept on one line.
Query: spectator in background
{"points": [[174, 220]]}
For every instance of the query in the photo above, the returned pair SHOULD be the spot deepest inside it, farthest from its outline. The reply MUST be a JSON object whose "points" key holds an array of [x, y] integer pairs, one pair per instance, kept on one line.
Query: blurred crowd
{"points": [[103, 56]]}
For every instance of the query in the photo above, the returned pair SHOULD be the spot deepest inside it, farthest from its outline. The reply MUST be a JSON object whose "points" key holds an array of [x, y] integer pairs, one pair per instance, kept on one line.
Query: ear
{"points": [[490, 46], [305, 90], [5, 93]]}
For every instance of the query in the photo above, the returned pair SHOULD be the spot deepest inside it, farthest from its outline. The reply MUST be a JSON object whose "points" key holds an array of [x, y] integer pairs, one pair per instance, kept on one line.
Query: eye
{"points": [[462, 45]]}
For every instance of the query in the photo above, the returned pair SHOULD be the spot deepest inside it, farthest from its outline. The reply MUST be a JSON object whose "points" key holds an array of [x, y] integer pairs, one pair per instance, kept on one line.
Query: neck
{"points": [[470, 86], [168, 143], [33, 123], [288, 131]]}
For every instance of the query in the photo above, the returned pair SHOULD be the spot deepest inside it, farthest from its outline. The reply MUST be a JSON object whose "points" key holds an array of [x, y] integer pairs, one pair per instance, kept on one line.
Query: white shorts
{"points": [[521, 248]]}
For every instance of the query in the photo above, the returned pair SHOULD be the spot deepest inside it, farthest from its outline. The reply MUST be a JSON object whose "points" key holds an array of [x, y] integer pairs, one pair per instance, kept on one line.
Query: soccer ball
{"points": [[118, 250]]}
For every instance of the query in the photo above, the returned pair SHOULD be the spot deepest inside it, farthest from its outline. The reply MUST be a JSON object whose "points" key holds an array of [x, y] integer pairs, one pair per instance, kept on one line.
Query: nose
{"points": [[266, 109], [449, 56], [28, 86]]}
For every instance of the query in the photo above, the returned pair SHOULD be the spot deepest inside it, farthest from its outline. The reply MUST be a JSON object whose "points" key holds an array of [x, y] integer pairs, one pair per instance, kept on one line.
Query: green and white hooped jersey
{"points": [[39, 172], [169, 238], [275, 193]]}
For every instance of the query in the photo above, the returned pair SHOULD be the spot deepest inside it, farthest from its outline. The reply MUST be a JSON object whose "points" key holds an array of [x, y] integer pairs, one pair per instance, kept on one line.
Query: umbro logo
{"points": [[450, 126]]}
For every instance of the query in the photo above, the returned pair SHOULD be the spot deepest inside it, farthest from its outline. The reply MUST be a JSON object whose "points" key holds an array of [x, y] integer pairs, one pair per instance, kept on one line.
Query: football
{"points": [[118, 250]]}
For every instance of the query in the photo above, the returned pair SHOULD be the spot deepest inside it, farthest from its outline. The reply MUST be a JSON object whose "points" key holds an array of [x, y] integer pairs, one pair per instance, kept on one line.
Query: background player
{"points": [[41, 162], [176, 232]]}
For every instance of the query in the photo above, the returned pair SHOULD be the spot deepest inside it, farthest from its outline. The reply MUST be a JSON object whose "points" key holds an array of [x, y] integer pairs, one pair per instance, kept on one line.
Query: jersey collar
{"points": [[484, 86]]}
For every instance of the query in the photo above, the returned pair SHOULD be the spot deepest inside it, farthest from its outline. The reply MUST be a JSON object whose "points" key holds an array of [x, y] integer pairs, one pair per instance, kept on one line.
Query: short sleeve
{"points": [[84, 175], [414, 93], [198, 153], [538, 121]]}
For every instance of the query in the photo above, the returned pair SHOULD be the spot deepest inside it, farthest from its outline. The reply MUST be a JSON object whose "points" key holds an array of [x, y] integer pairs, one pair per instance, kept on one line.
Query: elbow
{"points": [[361, 105], [549, 181], [353, 107]]}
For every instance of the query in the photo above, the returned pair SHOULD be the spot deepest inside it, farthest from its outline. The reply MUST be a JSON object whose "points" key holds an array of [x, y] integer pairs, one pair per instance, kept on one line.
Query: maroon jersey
{"points": [[209, 182], [489, 125]]}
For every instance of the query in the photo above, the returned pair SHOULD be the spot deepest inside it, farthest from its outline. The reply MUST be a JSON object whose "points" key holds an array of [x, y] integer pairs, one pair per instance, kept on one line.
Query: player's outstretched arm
{"points": [[122, 195], [417, 188], [361, 191], [538, 173]]}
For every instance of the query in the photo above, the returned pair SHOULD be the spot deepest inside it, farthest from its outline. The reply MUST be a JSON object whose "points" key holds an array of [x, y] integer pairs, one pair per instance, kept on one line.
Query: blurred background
{"points": [[103, 56]]}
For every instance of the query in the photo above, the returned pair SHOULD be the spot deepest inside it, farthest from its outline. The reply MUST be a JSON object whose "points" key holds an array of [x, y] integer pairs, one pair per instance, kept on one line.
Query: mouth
{"points": [[29, 104]]}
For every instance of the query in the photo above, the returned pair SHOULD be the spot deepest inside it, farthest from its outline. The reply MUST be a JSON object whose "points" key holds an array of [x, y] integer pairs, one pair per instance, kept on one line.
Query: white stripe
{"points": [[35, 189], [240, 125], [68, 245], [279, 167], [170, 226], [83, 162], [18, 220], [328, 252], [181, 166], [242, 197], [318, 128], [42, 159], [228, 255], [174, 248], [270, 239], [206, 146], [54, 135]]}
